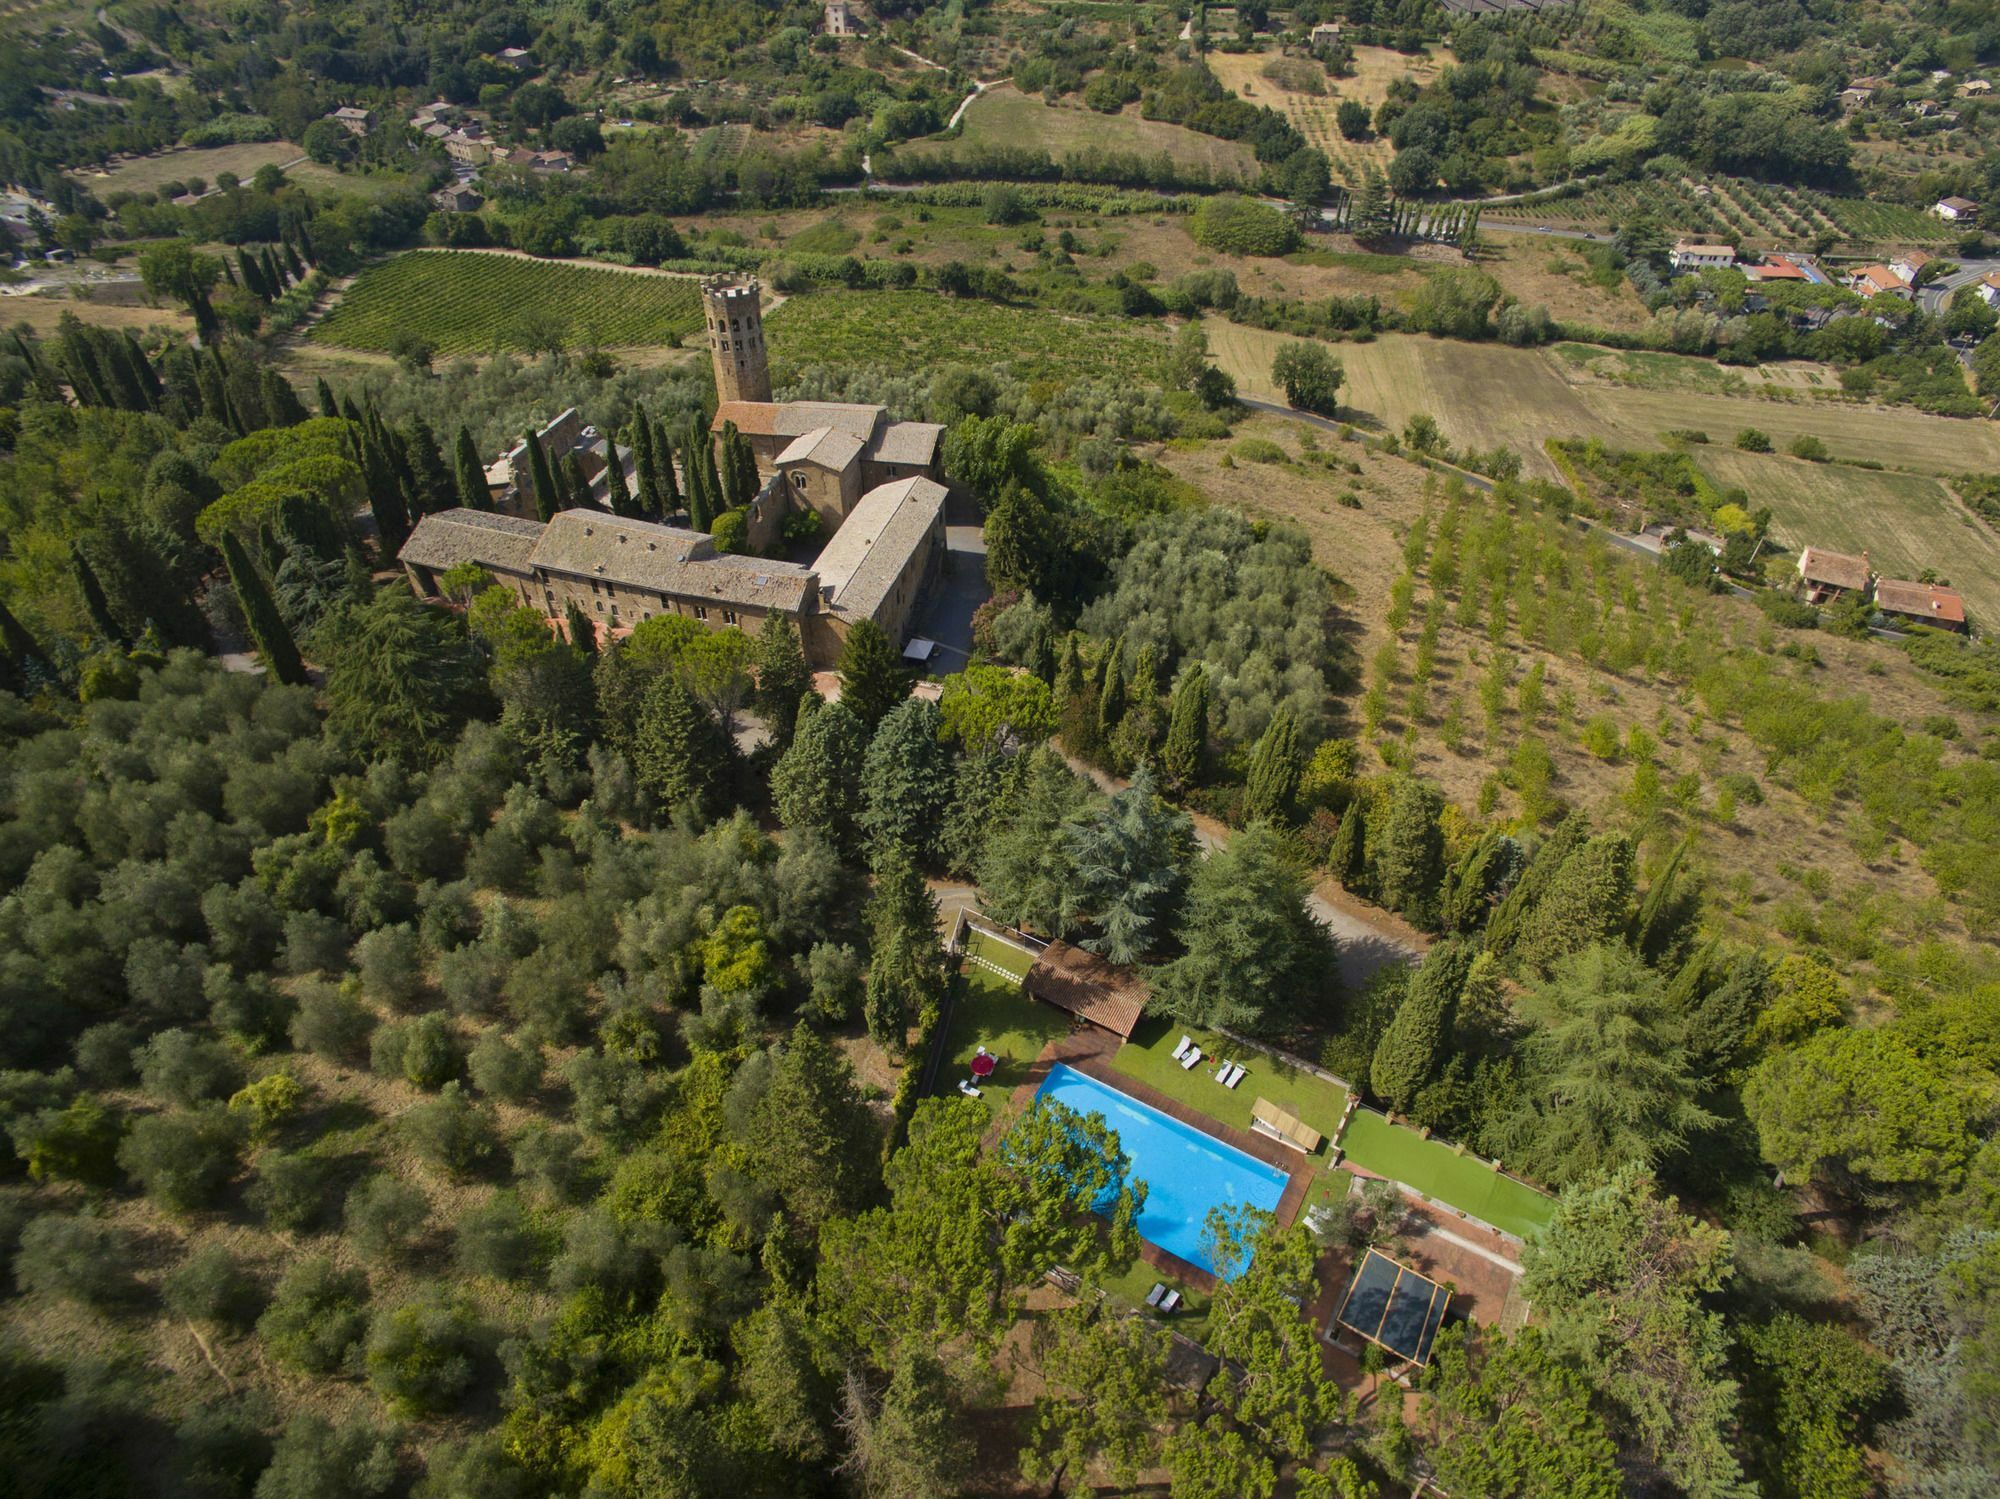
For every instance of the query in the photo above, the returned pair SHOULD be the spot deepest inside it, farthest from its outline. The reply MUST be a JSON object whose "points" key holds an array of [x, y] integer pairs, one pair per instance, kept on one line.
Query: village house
{"points": [[1921, 603], [1825, 576], [467, 144], [1909, 263], [1694, 255], [1854, 98], [354, 121], [1956, 210], [1975, 88], [1989, 288], [841, 19], [1325, 34], [518, 58], [1878, 281], [1777, 268], [458, 198]]}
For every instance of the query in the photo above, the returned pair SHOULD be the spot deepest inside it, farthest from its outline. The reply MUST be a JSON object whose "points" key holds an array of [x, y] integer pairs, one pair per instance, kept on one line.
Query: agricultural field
{"points": [[1731, 209], [1003, 117], [144, 174], [1905, 522], [916, 330], [1484, 395], [469, 302], [1313, 114]]}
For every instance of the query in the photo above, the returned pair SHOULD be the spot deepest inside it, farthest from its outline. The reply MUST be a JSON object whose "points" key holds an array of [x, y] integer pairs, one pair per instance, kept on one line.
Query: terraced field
{"points": [[468, 302]]}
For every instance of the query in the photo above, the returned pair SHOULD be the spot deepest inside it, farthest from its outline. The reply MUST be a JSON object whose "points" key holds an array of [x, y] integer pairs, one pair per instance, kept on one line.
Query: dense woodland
{"points": [[457, 1058]]}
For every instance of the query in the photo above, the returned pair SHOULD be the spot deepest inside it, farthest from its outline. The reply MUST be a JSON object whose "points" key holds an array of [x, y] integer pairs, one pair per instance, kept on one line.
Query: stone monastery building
{"points": [[871, 481]]}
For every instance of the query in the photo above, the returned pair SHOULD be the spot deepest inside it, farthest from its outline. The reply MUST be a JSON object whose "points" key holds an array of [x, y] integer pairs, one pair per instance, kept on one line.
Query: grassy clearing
{"points": [[1375, 68], [467, 302], [994, 1013], [1004, 117], [1483, 395], [1148, 1056], [916, 329], [1905, 522], [145, 174], [1437, 1171]]}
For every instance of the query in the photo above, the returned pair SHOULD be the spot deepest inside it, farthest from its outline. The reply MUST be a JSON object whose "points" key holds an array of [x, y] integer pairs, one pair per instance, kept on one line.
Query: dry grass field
{"points": [[1363, 548], [144, 174], [1004, 117], [1375, 68], [42, 314], [1483, 395]]}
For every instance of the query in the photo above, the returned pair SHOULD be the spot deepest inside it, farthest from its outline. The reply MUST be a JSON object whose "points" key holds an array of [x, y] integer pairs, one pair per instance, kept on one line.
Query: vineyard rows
{"points": [[1734, 210], [465, 303]]}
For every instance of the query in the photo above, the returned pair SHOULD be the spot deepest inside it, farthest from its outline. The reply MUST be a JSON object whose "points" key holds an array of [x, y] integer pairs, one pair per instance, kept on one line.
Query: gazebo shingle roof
{"points": [[1089, 988]]}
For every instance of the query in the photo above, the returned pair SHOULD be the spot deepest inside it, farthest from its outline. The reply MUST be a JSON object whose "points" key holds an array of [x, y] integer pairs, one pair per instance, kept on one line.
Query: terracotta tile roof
{"points": [[796, 418], [1879, 278], [912, 443], [592, 544], [1919, 601], [1836, 568], [449, 537], [824, 448], [874, 544], [1089, 988]]}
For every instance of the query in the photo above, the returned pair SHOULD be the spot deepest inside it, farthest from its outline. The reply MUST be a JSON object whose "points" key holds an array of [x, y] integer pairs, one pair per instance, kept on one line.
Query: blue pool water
{"points": [[1185, 1171]]}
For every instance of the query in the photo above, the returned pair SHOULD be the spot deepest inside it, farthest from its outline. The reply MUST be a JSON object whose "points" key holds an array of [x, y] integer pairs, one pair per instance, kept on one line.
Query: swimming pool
{"points": [[1185, 1171]]}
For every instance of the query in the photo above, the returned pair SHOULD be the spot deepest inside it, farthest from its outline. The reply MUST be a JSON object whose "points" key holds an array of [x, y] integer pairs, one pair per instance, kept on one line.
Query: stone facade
{"points": [[735, 317]]}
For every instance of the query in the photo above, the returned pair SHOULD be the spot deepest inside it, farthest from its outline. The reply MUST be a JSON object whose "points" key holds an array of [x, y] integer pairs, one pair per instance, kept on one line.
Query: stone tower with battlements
{"points": [[736, 338]]}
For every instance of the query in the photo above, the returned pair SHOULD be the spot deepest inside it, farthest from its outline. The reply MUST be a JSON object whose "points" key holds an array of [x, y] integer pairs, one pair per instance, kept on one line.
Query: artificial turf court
{"points": [[984, 948], [1436, 1170]]}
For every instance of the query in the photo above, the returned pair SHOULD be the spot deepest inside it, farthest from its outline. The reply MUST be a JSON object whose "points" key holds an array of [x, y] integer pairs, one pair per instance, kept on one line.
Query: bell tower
{"points": [[736, 337]]}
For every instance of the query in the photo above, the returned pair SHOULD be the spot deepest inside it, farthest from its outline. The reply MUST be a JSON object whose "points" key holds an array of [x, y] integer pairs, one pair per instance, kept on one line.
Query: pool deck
{"points": [[1089, 1050]]}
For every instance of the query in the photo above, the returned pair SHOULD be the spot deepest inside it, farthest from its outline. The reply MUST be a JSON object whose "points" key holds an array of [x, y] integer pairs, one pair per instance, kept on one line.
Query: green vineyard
{"points": [[465, 302], [1732, 209]]}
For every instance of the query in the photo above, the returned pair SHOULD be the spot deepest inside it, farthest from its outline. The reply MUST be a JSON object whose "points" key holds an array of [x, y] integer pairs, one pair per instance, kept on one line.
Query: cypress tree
{"points": [[1587, 901], [615, 488], [663, 455], [282, 407], [274, 272], [253, 276], [1069, 675], [542, 479], [267, 627], [740, 481], [1413, 1047], [350, 411], [1407, 850], [95, 604], [576, 484], [22, 664], [327, 405], [872, 679], [679, 750], [646, 468], [1111, 689], [292, 261], [1272, 786], [149, 378], [1504, 928], [434, 480], [582, 633], [783, 678], [1187, 732], [1347, 859], [702, 500], [469, 474]]}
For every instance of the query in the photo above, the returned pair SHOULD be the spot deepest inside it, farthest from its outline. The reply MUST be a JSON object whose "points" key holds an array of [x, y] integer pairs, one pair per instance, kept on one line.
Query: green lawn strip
{"points": [[994, 1013], [1439, 1172], [1148, 1056], [1131, 1285]]}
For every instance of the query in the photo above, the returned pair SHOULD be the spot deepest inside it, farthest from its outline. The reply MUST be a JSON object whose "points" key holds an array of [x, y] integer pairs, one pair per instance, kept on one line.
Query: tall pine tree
{"points": [[872, 678], [1272, 785], [267, 627], [783, 678], [469, 474], [548, 499], [1186, 749], [616, 490]]}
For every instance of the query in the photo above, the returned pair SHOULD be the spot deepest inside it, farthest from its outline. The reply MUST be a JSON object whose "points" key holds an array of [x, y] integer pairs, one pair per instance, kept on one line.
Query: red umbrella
{"points": [[983, 1064]]}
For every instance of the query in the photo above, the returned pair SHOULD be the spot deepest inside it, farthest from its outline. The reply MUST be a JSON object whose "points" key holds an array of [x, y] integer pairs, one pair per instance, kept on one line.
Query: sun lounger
{"points": [[967, 1089], [1235, 1076], [1173, 1300], [1181, 1050], [1188, 1062], [1153, 1296]]}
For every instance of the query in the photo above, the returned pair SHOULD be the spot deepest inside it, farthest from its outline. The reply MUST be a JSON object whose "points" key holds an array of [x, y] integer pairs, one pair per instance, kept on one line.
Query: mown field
{"points": [[1484, 395], [916, 330], [1905, 522], [467, 302], [144, 174], [1005, 118]]}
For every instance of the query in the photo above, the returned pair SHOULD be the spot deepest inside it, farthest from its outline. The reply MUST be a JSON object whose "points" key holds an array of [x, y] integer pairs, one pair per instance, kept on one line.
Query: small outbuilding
{"points": [[1920, 603], [1394, 1307], [1089, 988]]}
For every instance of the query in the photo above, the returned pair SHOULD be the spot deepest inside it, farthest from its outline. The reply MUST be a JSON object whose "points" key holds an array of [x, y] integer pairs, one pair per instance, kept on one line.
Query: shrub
{"points": [[211, 1285], [314, 1459], [182, 1160], [314, 943], [78, 1142], [250, 1010], [600, 1254], [267, 1104], [502, 1069], [423, 1051], [391, 964], [220, 1449], [331, 1023], [552, 1161], [1241, 226], [1810, 448], [182, 1068], [386, 1217], [420, 1356], [496, 1239], [452, 1132], [291, 1191], [104, 1054], [477, 1469], [78, 1259], [1750, 440], [315, 1319]]}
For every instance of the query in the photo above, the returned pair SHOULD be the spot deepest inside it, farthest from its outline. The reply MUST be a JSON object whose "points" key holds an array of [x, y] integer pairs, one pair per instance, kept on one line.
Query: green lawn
{"points": [[1437, 1171], [1004, 955], [994, 1013], [1132, 1284], [1148, 1056]]}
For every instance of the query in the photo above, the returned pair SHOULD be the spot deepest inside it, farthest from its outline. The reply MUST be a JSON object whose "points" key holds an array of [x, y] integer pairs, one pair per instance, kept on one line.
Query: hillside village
{"points": [[880, 749]]}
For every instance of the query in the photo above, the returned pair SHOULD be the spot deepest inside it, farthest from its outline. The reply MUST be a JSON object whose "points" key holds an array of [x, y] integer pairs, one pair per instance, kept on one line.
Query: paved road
{"points": [[1935, 296]]}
